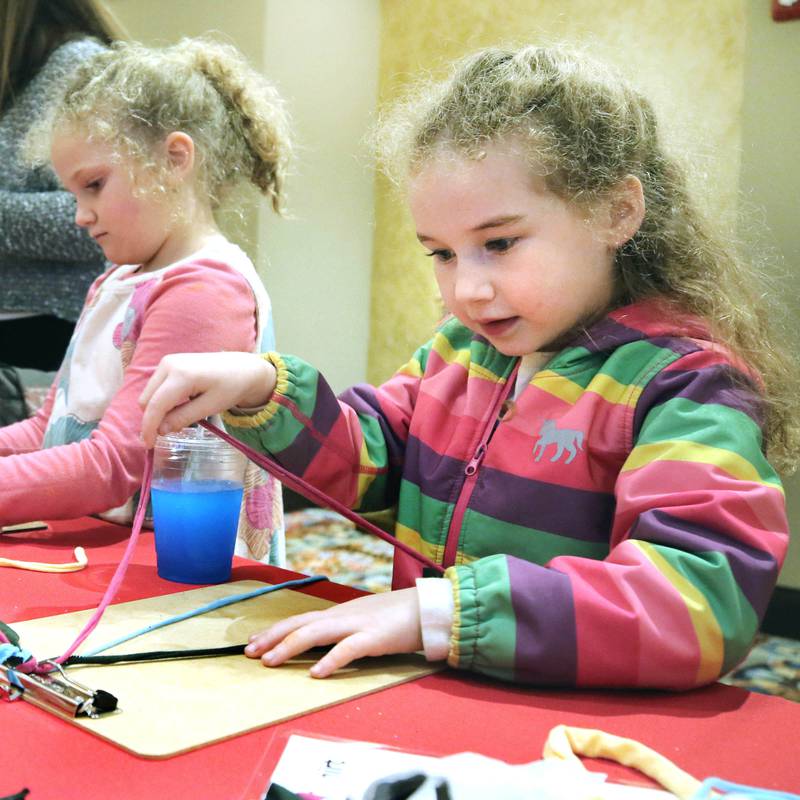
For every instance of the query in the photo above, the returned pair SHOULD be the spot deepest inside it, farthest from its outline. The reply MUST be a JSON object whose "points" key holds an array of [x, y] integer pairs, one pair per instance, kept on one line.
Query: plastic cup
{"points": [[196, 493]]}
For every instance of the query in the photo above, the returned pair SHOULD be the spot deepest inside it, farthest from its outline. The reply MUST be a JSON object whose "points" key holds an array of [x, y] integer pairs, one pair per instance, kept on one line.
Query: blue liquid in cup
{"points": [[195, 526]]}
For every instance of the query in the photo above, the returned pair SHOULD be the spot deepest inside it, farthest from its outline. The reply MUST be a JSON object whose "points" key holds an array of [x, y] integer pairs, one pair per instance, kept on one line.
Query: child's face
{"points": [[130, 227], [513, 261]]}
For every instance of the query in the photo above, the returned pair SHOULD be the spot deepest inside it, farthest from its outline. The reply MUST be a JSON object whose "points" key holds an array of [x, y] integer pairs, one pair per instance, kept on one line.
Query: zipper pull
{"points": [[475, 461]]}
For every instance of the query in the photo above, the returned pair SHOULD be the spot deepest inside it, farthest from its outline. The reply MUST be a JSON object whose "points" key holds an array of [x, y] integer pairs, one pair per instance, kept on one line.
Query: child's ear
{"points": [[626, 211], [179, 147]]}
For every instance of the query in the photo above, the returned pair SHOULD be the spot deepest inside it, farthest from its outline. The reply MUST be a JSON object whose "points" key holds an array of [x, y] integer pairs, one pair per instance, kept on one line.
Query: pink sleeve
{"points": [[195, 308]]}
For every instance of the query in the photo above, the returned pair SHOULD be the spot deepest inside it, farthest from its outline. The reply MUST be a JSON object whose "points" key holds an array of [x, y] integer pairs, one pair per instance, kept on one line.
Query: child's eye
{"points": [[441, 255], [94, 185], [501, 245]]}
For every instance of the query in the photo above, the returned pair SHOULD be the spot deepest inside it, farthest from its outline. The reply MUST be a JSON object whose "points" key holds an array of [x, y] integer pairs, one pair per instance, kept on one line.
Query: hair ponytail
{"points": [[257, 113]]}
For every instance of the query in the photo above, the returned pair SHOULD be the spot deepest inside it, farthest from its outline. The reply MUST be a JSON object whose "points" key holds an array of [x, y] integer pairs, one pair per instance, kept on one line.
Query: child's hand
{"points": [[188, 387], [375, 625]]}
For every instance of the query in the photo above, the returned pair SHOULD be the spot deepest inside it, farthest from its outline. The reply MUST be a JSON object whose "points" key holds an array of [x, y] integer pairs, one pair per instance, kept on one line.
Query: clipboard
{"points": [[172, 707]]}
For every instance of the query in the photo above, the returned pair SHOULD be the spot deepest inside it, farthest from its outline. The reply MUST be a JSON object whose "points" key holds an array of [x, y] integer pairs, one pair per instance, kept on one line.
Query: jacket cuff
{"points": [[238, 417]]}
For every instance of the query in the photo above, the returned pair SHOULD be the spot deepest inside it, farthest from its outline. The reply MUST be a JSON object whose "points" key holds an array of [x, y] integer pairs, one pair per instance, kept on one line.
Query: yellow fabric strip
{"points": [[615, 392], [445, 351], [454, 656], [683, 450], [365, 476], [566, 743], [611, 390], [477, 371], [412, 538], [709, 634], [558, 386], [411, 368]]}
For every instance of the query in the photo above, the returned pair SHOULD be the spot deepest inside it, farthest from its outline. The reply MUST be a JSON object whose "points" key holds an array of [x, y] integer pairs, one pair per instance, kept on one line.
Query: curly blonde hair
{"points": [[131, 97], [587, 128]]}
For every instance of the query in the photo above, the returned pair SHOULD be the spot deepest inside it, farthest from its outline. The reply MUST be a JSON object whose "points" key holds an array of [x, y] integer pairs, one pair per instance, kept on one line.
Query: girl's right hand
{"points": [[187, 387]]}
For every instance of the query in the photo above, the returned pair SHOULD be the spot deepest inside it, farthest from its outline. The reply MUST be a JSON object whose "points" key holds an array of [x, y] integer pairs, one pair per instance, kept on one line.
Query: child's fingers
{"points": [[185, 412], [156, 379], [349, 649], [319, 628], [182, 416], [157, 409], [372, 625], [171, 409], [161, 395], [266, 640], [303, 638]]}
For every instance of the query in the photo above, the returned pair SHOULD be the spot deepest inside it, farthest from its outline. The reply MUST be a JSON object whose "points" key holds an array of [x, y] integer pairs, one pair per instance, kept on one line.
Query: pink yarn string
{"points": [[116, 580], [317, 496]]}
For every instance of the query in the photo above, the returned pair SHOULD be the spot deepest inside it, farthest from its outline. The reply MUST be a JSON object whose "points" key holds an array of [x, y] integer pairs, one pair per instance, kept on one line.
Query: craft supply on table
{"points": [[227, 600], [329, 768], [196, 492], [222, 465], [68, 698], [196, 703], [336, 769], [219, 460], [45, 566], [55, 693], [21, 527]]}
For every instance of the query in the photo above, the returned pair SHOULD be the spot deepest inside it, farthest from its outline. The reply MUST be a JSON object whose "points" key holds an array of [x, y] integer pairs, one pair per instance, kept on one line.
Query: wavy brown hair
{"points": [[588, 129], [31, 29]]}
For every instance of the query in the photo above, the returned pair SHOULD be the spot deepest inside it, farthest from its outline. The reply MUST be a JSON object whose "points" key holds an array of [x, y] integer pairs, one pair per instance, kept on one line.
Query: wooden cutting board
{"points": [[170, 707]]}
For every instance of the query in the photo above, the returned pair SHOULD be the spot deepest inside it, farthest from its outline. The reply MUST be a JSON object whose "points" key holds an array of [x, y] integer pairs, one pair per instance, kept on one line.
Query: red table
{"points": [[719, 730]]}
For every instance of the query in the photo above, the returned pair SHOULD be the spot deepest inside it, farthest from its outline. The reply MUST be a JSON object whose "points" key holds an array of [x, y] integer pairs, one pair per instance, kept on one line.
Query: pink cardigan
{"points": [[201, 304]]}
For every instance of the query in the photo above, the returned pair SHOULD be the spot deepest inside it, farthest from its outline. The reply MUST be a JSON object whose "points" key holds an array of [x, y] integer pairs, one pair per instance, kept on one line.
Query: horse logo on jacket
{"points": [[564, 439]]}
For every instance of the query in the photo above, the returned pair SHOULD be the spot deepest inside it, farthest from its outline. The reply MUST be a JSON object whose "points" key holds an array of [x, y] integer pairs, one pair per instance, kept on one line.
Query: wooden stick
{"points": [[24, 526]]}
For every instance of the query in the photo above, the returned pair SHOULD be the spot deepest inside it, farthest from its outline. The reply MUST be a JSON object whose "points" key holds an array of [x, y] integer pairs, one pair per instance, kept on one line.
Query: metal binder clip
{"points": [[58, 694]]}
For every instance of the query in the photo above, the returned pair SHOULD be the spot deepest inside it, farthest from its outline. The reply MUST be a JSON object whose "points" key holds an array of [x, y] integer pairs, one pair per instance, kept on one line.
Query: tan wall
{"points": [[770, 175], [324, 56], [163, 21]]}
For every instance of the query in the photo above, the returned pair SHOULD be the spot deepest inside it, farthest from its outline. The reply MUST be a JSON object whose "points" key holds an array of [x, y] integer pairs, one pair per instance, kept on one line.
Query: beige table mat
{"points": [[170, 707]]}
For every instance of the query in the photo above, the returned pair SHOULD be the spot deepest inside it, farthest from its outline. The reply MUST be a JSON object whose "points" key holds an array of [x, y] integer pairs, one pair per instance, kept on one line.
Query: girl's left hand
{"points": [[375, 625]]}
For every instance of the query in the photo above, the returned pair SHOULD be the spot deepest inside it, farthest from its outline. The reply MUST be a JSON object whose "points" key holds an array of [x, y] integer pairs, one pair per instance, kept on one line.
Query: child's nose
{"points": [[83, 216], [472, 284]]}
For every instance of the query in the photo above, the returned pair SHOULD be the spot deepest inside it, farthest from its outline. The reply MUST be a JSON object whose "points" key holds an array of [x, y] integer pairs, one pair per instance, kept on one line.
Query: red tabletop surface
{"points": [[718, 730]]}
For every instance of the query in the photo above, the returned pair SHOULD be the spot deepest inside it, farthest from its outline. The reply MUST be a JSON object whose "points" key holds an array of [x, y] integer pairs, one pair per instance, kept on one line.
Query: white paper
{"points": [[326, 769]]}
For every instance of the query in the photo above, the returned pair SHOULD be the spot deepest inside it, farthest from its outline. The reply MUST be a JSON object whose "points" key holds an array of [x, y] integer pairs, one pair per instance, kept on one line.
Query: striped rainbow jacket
{"points": [[616, 525]]}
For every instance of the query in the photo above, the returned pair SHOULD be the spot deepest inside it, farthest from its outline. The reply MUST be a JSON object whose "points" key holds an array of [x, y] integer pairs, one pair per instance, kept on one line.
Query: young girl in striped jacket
{"points": [[582, 444]]}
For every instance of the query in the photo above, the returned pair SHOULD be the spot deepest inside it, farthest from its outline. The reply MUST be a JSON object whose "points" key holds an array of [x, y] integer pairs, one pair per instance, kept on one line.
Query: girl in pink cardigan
{"points": [[149, 141]]}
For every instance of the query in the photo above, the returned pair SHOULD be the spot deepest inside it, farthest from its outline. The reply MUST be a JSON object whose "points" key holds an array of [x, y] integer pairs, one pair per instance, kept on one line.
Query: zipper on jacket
{"points": [[471, 471]]}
